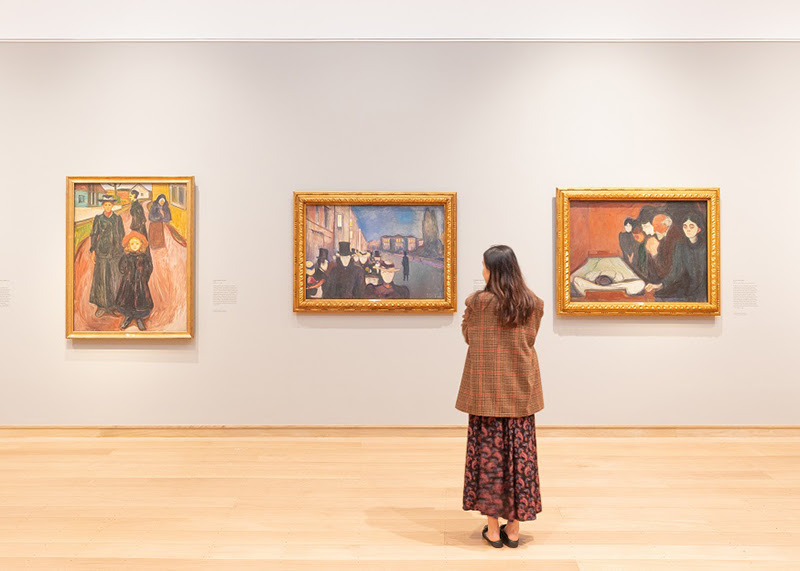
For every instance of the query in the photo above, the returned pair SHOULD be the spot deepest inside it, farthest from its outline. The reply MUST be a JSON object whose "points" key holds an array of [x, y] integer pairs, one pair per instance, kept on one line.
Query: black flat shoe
{"points": [[504, 538], [489, 541]]}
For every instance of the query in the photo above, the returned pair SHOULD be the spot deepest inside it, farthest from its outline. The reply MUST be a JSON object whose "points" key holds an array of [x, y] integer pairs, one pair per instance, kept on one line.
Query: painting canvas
{"points": [[645, 251], [130, 260], [378, 251]]}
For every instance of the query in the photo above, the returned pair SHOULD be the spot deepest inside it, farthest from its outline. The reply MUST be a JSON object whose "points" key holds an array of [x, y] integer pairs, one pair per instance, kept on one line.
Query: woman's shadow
{"points": [[432, 526]]}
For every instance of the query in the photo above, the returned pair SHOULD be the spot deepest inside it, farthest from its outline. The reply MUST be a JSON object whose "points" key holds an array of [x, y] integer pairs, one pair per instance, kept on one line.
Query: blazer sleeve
{"points": [[466, 317], [538, 313]]}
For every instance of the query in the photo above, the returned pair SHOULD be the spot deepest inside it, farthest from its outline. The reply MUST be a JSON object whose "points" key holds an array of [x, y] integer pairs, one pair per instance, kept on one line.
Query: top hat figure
{"points": [[344, 249]]}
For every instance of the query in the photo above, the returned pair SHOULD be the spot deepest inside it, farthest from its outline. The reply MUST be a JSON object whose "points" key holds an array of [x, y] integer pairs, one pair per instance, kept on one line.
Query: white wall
{"points": [[406, 19], [502, 124]]}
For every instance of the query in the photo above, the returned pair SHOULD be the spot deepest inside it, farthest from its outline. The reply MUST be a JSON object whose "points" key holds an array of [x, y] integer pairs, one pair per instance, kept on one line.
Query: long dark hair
{"points": [[508, 286]]}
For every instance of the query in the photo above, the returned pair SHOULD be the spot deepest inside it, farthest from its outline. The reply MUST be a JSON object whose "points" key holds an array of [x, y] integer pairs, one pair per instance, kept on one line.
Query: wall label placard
{"points": [[6, 293], [225, 295], [745, 296]]}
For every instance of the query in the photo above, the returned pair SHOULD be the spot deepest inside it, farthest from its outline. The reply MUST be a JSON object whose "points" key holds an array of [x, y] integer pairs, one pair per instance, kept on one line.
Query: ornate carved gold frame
{"points": [[445, 199], [565, 305], [188, 332]]}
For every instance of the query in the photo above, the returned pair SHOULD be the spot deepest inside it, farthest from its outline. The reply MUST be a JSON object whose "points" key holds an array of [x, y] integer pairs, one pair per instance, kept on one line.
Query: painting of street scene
{"points": [[130, 260], [374, 252]]}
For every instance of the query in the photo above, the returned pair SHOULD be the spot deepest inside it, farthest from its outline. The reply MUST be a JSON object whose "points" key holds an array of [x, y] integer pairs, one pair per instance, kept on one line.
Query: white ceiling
{"points": [[400, 19]]}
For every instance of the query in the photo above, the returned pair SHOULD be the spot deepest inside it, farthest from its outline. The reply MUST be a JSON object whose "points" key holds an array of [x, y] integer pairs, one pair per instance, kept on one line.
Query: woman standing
{"points": [[160, 216], [687, 279], [501, 390]]}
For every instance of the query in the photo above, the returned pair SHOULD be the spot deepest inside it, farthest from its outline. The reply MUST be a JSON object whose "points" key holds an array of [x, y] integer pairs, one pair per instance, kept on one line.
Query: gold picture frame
{"points": [[142, 285], [319, 226], [623, 279]]}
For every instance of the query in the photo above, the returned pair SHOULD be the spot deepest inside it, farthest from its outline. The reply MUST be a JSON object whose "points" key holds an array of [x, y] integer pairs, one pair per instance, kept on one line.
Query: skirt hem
{"points": [[483, 513]]}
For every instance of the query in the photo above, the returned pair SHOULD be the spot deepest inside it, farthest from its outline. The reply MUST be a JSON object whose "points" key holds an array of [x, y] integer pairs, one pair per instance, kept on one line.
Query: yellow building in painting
{"points": [[177, 198], [327, 226]]}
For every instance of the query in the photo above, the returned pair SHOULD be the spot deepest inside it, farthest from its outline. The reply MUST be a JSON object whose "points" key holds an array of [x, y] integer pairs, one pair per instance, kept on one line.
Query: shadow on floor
{"points": [[429, 526]]}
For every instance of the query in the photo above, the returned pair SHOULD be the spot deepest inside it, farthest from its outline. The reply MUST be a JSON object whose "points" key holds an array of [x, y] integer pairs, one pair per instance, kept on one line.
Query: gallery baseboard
{"points": [[360, 431]]}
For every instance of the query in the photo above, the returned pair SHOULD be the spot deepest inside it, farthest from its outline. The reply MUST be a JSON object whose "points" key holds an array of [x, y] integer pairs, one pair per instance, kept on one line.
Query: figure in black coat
{"points": [[133, 297], [373, 267], [106, 249], [688, 278], [406, 266], [138, 219], [346, 279], [627, 243], [321, 272]]}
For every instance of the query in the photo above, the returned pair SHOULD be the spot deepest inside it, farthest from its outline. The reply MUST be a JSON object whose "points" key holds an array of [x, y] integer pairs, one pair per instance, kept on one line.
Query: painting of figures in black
{"points": [[374, 252], [131, 256], [639, 249]]}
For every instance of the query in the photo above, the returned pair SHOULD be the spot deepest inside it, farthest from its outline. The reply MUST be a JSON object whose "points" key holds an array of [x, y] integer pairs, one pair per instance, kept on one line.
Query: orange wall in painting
{"points": [[594, 228]]}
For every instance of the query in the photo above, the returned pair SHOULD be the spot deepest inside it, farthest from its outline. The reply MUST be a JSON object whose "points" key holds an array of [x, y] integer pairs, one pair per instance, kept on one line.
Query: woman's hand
{"points": [[465, 320]]}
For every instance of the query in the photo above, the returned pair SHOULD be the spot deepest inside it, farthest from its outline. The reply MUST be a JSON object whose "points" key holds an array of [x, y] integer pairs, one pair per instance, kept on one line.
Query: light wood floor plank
{"points": [[296, 500]]}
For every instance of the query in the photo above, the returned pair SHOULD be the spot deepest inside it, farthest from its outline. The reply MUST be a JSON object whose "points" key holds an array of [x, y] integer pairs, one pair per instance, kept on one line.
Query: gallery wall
{"points": [[502, 124], [391, 20]]}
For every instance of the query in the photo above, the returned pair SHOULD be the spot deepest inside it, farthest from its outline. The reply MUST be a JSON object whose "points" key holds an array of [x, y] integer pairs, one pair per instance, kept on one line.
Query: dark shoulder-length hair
{"points": [[516, 301]]}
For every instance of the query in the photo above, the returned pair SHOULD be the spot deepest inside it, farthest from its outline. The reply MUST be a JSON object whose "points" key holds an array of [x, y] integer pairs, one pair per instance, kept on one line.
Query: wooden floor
{"points": [[391, 500]]}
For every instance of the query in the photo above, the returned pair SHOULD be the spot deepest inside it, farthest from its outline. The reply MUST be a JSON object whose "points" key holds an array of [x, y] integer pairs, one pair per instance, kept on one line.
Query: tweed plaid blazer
{"points": [[501, 373]]}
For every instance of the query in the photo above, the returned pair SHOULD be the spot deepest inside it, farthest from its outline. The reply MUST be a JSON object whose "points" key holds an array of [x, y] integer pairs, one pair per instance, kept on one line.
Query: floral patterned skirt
{"points": [[501, 478]]}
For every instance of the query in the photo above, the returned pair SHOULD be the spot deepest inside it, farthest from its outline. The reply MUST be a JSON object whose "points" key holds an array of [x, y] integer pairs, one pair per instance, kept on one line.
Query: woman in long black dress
{"points": [[106, 249], [687, 280]]}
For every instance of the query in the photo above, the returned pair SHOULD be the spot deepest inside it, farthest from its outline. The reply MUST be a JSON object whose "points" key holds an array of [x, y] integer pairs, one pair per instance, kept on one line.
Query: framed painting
{"points": [[372, 252], [130, 257], [638, 251]]}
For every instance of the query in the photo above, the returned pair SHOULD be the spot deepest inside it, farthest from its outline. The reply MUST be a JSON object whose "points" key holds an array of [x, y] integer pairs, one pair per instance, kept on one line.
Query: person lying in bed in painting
{"points": [[606, 274]]}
